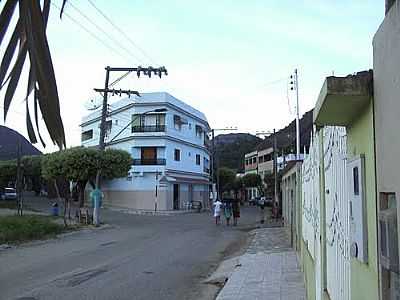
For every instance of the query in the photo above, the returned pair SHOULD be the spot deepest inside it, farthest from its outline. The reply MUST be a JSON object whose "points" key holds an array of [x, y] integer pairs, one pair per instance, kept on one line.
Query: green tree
{"points": [[32, 171], [8, 172], [226, 179], [80, 165], [253, 181], [237, 186], [53, 170]]}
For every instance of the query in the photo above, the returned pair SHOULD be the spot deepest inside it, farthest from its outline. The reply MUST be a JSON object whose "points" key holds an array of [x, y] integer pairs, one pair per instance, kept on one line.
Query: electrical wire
{"points": [[121, 31], [90, 32], [103, 31]]}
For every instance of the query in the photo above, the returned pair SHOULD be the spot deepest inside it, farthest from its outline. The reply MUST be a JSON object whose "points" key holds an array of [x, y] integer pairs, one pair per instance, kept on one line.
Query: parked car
{"points": [[268, 201], [254, 201], [9, 194]]}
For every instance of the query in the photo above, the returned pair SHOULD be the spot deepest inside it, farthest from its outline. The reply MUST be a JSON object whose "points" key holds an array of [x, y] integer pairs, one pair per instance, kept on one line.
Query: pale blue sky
{"points": [[221, 55]]}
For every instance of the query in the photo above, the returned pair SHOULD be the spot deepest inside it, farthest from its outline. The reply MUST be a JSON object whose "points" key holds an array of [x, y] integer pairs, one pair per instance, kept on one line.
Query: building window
{"points": [[160, 120], [177, 122], [198, 159], [199, 131], [87, 135], [254, 160], [260, 159], [177, 155], [137, 121]]}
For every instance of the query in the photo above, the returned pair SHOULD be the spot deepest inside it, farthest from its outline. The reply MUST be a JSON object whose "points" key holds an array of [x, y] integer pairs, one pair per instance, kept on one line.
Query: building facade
{"points": [[251, 167], [386, 47], [167, 139]]}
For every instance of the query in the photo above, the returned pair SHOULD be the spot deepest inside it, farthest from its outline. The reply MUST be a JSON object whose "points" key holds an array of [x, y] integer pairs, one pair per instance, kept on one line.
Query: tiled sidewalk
{"points": [[268, 270]]}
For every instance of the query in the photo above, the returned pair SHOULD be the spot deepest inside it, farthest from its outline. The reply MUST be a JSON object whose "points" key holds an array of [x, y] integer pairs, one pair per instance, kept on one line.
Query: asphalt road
{"points": [[138, 257]]}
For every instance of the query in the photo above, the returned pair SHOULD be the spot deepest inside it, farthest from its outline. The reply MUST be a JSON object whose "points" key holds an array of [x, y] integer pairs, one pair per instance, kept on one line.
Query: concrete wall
{"points": [[308, 268], [386, 46], [291, 204], [360, 140]]}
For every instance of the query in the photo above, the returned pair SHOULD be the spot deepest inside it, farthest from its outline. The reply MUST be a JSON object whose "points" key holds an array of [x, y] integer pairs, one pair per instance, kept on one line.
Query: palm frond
{"points": [[30, 35]]}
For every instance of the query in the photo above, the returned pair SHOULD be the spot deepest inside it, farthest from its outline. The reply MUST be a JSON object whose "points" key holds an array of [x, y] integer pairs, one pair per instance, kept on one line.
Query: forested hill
{"points": [[232, 147]]}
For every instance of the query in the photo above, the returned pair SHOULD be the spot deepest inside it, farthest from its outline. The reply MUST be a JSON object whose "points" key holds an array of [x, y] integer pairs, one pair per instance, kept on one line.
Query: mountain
{"points": [[230, 149], [9, 140], [286, 137]]}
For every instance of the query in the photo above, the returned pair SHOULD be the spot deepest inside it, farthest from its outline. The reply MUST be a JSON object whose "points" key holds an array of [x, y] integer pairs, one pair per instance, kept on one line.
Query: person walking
{"points": [[228, 211], [217, 211], [235, 211], [261, 204]]}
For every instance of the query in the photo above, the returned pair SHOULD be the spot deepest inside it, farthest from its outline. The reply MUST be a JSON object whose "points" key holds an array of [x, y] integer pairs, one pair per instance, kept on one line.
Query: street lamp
{"points": [[157, 110]]}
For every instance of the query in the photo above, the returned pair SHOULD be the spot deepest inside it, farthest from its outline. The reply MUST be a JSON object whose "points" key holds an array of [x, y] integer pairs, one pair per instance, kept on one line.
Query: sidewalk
{"points": [[268, 270]]}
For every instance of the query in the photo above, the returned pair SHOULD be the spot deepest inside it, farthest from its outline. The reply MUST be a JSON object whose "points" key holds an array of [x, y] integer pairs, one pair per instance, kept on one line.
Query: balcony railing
{"points": [[149, 128], [149, 162]]}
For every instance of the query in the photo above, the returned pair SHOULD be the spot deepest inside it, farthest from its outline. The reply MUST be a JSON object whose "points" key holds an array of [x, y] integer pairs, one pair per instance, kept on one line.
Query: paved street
{"points": [[138, 257]]}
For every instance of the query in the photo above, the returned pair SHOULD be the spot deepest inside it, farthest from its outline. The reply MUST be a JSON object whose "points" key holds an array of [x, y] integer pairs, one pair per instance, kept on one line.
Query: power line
{"points": [[103, 31], [121, 31], [275, 81], [89, 32]]}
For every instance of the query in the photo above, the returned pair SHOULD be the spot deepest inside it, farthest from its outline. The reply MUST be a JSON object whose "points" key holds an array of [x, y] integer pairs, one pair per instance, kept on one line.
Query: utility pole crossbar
{"points": [[117, 92]]}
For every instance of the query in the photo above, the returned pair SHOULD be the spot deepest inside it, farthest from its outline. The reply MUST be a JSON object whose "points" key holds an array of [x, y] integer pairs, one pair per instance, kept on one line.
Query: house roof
{"points": [[146, 99]]}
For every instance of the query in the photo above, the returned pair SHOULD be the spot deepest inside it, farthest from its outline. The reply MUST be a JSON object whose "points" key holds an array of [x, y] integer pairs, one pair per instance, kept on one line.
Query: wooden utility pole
{"points": [[139, 70], [275, 169], [19, 179], [104, 113]]}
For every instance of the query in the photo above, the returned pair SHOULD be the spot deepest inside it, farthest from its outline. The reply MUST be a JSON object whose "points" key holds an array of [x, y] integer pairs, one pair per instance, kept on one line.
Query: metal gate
{"points": [[337, 214], [311, 208]]}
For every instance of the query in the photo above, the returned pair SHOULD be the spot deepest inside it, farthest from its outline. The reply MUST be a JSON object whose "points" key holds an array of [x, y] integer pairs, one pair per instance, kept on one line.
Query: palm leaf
{"points": [[5, 17], [14, 78], [30, 33], [9, 53], [35, 106]]}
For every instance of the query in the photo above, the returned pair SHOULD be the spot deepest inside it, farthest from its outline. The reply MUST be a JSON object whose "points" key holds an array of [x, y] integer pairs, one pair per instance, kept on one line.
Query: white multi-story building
{"points": [[167, 140]]}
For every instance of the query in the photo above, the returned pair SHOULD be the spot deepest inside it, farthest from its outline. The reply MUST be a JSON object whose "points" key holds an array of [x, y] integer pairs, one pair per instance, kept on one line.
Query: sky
{"points": [[229, 59]]}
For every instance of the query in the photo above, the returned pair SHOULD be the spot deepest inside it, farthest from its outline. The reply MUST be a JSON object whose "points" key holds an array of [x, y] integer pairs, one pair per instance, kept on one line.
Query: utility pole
{"points": [[139, 70], [212, 161], [295, 86], [275, 170], [19, 179], [104, 112]]}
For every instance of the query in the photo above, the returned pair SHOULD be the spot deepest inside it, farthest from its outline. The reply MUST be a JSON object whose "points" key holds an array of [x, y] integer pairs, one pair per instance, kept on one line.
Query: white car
{"points": [[9, 194]]}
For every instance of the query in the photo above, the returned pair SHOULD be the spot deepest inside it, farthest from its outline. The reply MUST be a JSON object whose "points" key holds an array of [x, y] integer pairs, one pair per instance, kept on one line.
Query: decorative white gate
{"points": [[337, 214], [311, 207]]}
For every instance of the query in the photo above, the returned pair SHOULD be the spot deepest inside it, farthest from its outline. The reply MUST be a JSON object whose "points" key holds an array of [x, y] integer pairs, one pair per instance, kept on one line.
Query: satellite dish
{"points": [[93, 103]]}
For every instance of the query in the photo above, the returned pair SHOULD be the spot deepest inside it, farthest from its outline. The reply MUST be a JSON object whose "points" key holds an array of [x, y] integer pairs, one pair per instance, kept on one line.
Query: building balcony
{"points": [[149, 162], [148, 128]]}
